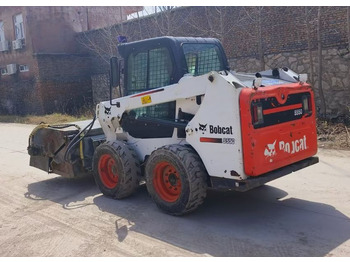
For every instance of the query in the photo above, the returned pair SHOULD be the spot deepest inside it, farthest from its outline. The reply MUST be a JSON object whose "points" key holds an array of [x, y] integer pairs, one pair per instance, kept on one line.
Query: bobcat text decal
{"points": [[292, 147], [225, 130], [222, 130], [216, 130]]}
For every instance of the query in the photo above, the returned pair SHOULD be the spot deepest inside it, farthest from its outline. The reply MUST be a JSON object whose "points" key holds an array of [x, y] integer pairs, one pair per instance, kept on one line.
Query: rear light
{"points": [[306, 101], [257, 114]]}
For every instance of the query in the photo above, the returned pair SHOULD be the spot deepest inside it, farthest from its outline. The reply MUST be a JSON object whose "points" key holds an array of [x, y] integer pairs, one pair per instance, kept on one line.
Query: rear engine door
{"points": [[278, 126]]}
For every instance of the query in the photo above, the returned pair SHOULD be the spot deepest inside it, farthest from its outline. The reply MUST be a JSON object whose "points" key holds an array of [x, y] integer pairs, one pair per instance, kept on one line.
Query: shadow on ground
{"points": [[63, 190], [261, 222]]}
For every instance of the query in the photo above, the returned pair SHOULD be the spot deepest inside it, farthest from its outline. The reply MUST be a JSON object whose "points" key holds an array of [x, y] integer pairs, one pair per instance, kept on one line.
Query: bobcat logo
{"points": [[270, 150], [203, 128], [107, 110]]}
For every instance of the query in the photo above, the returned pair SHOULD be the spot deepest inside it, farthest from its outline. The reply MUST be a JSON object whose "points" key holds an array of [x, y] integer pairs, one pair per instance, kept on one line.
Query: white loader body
{"points": [[213, 132]]}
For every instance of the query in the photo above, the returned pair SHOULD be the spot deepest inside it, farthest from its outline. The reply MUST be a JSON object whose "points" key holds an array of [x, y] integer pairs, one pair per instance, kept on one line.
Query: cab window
{"points": [[148, 70], [202, 58]]}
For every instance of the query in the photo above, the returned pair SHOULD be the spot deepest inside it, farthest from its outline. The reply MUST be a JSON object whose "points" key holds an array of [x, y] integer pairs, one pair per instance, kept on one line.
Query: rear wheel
{"points": [[116, 169], [176, 179]]}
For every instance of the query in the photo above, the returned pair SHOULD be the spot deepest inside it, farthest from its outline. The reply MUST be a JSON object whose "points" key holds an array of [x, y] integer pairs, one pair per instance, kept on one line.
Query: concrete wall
{"points": [[335, 80], [279, 35]]}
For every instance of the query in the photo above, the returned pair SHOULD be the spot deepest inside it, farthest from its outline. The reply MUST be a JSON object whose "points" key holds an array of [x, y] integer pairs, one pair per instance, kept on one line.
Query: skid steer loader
{"points": [[184, 123]]}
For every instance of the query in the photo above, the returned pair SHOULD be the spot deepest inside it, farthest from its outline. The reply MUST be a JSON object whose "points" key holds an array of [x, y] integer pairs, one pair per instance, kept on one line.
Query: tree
{"points": [[220, 22], [320, 66], [102, 42], [348, 22], [256, 16], [308, 22], [168, 21]]}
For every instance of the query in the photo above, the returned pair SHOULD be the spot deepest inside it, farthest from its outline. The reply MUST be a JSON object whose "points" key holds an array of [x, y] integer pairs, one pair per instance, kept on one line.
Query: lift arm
{"points": [[110, 114]]}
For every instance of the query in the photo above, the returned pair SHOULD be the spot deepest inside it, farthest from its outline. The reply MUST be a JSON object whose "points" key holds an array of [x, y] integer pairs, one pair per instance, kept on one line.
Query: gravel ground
{"points": [[303, 214]]}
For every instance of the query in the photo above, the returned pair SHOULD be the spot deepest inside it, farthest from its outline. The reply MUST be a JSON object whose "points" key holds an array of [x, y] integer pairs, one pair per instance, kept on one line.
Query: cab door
{"points": [[146, 70]]}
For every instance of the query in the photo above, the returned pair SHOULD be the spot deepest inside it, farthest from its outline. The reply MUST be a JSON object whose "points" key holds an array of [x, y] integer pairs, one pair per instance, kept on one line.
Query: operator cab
{"points": [[160, 62]]}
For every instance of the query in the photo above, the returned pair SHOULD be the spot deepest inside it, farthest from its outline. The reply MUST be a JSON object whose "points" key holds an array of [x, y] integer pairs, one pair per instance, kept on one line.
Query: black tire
{"points": [[116, 169], [176, 179]]}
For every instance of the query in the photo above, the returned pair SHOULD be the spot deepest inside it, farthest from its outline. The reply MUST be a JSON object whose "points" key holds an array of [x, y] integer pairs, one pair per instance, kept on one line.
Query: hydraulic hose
{"points": [[77, 138]]}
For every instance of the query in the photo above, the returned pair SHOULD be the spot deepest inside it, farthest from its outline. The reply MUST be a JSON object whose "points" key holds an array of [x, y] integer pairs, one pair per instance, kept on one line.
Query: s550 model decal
{"points": [[217, 140], [298, 112]]}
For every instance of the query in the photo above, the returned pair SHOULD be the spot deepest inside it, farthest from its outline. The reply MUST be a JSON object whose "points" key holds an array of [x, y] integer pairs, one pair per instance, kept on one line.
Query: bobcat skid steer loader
{"points": [[184, 123]]}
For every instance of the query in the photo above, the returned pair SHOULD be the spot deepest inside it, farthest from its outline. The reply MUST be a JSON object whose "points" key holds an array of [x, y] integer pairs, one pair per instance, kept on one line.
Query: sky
{"points": [[174, 2], [146, 11]]}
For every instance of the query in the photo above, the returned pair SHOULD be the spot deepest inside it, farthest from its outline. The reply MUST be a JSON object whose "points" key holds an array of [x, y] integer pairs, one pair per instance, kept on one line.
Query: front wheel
{"points": [[176, 179], [116, 169]]}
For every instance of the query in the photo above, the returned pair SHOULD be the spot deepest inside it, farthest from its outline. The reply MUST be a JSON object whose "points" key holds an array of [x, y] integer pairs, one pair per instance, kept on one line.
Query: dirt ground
{"points": [[333, 135], [306, 213]]}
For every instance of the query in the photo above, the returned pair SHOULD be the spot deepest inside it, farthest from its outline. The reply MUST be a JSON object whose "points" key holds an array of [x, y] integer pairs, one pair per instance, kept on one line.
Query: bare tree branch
{"points": [[348, 13], [320, 66]]}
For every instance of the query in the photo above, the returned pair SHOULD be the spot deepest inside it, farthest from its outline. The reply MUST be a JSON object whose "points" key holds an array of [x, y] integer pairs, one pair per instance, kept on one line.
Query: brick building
{"points": [[41, 65]]}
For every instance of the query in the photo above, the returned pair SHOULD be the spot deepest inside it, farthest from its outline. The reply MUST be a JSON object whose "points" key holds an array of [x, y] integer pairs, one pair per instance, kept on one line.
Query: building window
{"points": [[2, 32], [3, 71], [23, 68], [19, 26], [4, 46]]}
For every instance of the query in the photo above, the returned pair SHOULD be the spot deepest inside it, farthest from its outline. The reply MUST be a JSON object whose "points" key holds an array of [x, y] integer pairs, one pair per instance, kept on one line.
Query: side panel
{"points": [[214, 132], [286, 134]]}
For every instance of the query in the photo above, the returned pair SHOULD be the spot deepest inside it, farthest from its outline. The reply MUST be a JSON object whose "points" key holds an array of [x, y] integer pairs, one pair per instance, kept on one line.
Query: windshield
{"points": [[202, 58]]}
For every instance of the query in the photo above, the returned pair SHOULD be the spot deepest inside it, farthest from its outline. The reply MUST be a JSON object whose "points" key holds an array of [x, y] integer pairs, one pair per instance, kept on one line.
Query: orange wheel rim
{"points": [[107, 170], [167, 181]]}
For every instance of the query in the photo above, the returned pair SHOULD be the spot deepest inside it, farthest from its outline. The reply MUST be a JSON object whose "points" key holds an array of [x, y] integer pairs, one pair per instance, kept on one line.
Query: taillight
{"points": [[257, 114], [307, 106]]}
